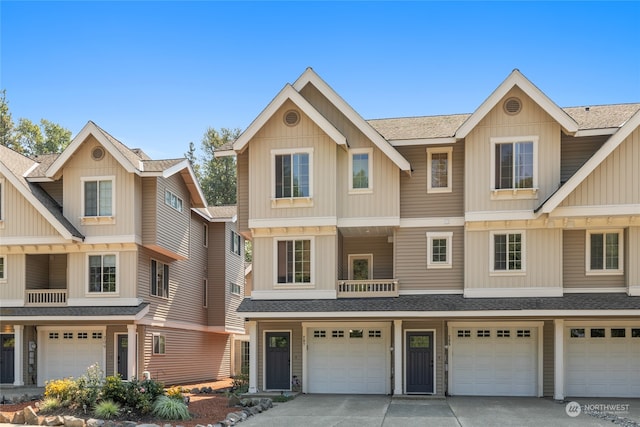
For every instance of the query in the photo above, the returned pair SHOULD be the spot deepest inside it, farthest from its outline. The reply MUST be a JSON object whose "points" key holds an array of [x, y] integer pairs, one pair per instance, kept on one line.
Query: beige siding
{"points": [[548, 358], [411, 260], [379, 247], [21, 218], [323, 252], [415, 202], [575, 152], [615, 181], [543, 261], [150, 211], [218, 241], [440, 355], [574, 263], [296, 347], [54, 189], [175, 238], [191, 356], [46, 271], [532, 121], [15, 267], [112, 330], [242, 165], [126, 270], [632, 266], [234, 269]]}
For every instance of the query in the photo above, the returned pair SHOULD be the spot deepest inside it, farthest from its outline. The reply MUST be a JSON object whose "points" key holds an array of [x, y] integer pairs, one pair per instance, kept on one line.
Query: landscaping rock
{"points": [[70, 421], [92, 422], [195, 390], [129, 424], [54, 420], [233, 401], [30, 416], [110, 423], [148, 425], [18, 417], [266, 402], [233, 416], [4, 419]]}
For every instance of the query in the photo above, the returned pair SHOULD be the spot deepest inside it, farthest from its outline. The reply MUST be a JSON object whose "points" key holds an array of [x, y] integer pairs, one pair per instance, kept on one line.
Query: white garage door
{"points": [[494, 361], [348, 360], [602, 361], [68, 352]]}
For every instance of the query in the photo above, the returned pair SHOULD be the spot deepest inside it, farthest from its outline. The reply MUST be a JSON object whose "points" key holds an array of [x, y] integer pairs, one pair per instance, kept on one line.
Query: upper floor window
{"points": [[292, 173], [439, 249], [102, 273], [205, 293], [236, 241], [98, 196], [507, 252], [604, 252], [1, 199], [293, 261], [3, 274], [159, 279], [234, 288], [170, 199], [205, 235], [514, 163], [360, 168], [439, 166]]}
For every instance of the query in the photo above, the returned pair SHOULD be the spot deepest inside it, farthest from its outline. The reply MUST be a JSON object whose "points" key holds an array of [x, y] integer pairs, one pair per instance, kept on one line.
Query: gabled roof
{"points": [[15, 167], [517, 79], [310, 76], [607, 148]]}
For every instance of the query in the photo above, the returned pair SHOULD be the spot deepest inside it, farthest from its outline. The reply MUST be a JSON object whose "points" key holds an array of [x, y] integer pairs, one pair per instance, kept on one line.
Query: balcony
{"points": [[382, 288], [48, 297]]}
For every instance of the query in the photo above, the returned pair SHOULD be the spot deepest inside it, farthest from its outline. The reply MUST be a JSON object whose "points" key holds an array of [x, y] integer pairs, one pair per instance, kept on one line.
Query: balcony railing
{"points": [[48, 297], [367, 288]]}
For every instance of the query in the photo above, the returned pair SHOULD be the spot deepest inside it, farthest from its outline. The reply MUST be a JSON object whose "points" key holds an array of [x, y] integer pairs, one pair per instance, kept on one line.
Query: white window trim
{"points": [[205, 238], [153, 344], [3, 279], [86, 273], [514, 193], [233, 285], [235, 236], [439, 150], [523, 270], [448, 235], [3, 189], [587, 254], [294, 285], [162, 263], [368, 257], [98, 219], [369, 189], [285, 202], [166, 190]]}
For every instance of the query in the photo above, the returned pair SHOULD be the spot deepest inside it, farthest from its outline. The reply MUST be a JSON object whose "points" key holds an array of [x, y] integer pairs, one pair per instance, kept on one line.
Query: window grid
{"points": [[294, 261], [102, 273], [375, 334], [337, 334], [159, 279], [83, 335], [507, 252], [96, 335], [464, 333], [67, 335], [319, 334], [503, 333], [2, 268], [483, 333], [523, 333], [53, 335]]}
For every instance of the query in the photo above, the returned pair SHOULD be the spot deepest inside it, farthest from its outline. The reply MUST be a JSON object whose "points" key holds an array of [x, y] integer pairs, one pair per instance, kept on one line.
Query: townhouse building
{"points": [[491, 253], [110, 257]]}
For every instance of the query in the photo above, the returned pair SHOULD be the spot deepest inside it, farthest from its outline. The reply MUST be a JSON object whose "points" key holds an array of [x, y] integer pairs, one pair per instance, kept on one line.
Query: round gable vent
{"points": [[291, 118], [512, 106], [97, 153]]}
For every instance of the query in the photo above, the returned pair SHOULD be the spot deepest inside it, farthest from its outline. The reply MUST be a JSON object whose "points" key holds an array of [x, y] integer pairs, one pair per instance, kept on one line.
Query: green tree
{"points": [[193, 159], [218, 173], [29, 137], [7, 137], [56, 138]]}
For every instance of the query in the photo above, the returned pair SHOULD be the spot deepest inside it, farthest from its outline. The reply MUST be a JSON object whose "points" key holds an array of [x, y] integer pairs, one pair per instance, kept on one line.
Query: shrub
{"points": [[50, 404], [240, 383], [107, 409], [176, 393], [170, 409], [64, 390], [115, 389], [89, 386]]}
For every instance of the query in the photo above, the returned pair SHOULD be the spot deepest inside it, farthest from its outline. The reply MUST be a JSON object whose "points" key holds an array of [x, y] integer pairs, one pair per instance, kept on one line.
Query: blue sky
{"points": [[157, 74]]}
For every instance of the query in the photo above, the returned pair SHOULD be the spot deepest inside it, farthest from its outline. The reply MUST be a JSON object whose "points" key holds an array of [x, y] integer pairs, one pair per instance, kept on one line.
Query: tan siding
{"points": [[234, 268], [218, 241], [243, 190], [548, 361], [21, 218], [296, 347], [440, 356], [191, 356], [15, 267], [575, 152], [379, 247], [543, 249], [574, 263], [415, 202], [632, 267], [175, 238], [150, 211], [46, 271], [110, 367], [411, 260], [54, 189], [532, 121], [126, 270], [615, 181]]}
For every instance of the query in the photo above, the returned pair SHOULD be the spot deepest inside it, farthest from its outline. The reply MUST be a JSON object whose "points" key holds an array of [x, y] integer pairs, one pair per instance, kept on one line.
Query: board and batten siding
{"points": [[531, 121], [615, 181], [633, 253], [190, 356], [46, 271], [440, 358], [542, 256], [574, 262], [411, 260], [234, 270], [295, 328], [379, 247], [127, 189], [323, 266], [305, 135], [54, 189], [242, 167], [574, 152], [415, 202], [126, 274], [15, 274], [20, 217]]}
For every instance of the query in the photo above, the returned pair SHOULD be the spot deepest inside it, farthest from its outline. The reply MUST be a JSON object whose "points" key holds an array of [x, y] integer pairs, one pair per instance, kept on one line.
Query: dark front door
{"points": [[123, 354], [7, 354], [419, 353], [277, 373]]}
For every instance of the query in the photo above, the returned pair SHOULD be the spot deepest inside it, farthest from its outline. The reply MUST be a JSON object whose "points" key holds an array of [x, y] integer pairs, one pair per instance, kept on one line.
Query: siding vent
{"points": [[97, 153], [512, 106], [291, 118]]}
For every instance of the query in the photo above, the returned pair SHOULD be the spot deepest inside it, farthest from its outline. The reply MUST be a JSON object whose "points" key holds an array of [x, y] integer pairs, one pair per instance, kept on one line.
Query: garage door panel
{"points": [[70, 351]]}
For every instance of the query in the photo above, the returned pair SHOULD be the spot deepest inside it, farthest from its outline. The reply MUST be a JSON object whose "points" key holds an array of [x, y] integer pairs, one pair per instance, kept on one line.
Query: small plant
{"points": [[240, 383], [170, 409], [64, 390], [176, 393], [115, 389], [50, 404], [107, 409], [89, 386]]}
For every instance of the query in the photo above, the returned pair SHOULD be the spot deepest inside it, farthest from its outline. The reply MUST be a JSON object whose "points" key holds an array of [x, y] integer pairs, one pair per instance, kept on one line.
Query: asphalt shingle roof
{"points": [[98, 311]]}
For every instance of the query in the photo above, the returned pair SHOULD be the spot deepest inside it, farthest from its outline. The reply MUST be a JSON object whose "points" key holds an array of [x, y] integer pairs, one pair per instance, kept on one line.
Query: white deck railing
{"points": [[367, 288], [46, 297]]}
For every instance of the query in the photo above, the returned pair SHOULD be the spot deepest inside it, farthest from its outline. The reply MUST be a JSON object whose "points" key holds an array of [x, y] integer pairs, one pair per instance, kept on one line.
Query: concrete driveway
{"points": [[385, 411]]}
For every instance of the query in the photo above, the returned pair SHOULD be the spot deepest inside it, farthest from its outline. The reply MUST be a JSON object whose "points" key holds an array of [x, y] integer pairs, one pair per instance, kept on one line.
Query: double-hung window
{"points": [[293, 259], [159, 279], [514, 163], [98, 194], [236, 241], [3, 267], [360, 170], [507, 252], [159, 344], [439, 166], [102, 273], [292, 173], [439, 249], [604, 252]]}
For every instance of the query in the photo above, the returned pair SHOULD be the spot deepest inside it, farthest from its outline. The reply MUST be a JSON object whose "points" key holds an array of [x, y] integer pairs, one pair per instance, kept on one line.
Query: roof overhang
{"points": [[191, 181]]}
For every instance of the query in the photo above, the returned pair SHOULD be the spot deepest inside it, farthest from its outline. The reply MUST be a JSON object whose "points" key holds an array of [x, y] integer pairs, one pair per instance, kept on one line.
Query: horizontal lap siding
{"points": [[548, 358], [574, 264], [234, 268], [296, 347], [218, 247], [379, 247], [242, 165], [575, 152], [175, 237], [150, 211], [411, 260], [440, 355]]}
